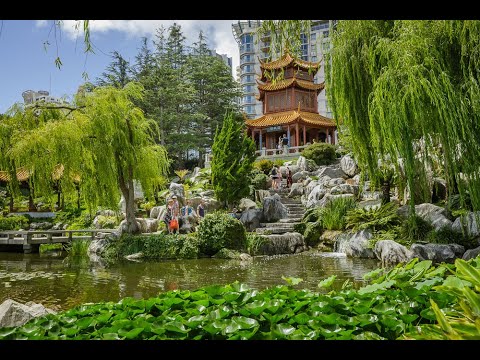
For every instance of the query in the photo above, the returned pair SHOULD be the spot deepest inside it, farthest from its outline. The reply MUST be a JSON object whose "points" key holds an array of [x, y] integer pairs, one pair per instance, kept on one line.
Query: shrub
{"points": [[415, 229], [312, 215], [159, 246], [107, 222], [321, 153], [263, 165], [254, 242], [384, 217], [259, 182], [333, 215], [312, 234], [446, 235], [218, 230], [15, 222]]}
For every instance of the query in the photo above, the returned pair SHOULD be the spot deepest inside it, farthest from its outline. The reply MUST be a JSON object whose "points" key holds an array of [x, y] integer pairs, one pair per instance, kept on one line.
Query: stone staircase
{"points": [[295, 211]]}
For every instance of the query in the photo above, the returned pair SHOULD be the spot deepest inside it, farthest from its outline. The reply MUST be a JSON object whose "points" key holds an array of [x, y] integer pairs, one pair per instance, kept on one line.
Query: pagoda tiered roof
{"points": [[286, 60], [286, 83], [291, 116]]}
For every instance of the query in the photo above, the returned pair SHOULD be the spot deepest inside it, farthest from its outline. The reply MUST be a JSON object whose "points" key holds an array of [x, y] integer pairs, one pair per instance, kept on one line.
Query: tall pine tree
{"points": [[232, 163]]}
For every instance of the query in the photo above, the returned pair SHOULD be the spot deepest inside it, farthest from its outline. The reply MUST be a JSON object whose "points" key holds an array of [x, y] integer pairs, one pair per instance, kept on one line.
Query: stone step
{"points": [[283, 225], [295, 212], [290, 220], [295, 207], [271, 231]]}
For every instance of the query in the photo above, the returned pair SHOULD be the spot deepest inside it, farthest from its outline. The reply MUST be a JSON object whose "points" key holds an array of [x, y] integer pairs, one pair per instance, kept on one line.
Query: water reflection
{"points": [[60, 283]]}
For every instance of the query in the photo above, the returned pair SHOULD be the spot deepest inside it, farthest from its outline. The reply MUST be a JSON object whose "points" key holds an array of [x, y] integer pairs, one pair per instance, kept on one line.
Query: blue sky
{"points": [[25, 65]]}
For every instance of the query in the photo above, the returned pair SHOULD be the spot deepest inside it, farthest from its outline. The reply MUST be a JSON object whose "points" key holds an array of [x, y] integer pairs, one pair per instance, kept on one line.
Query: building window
{"points": [[313, 37], [247, 39], [314, 58]]}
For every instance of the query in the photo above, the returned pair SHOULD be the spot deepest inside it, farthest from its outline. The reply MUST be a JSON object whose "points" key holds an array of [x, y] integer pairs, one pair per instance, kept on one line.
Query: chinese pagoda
{"points": [[290, 105]]}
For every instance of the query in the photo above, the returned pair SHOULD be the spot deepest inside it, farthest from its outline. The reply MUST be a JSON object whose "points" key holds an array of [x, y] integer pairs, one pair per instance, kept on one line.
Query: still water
{"points": [[60, 282]]}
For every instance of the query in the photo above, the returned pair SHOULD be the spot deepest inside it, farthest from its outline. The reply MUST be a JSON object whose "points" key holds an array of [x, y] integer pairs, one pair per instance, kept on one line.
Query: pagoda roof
{"points": [[289, 117], [285, 83], [23, 174], [288, 59]]}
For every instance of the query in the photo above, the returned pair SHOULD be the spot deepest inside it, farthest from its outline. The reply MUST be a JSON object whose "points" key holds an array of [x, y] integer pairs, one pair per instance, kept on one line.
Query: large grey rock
{"points": [[261, 194], [390, 253], [315, 196], [344, 189], [155, 211], [15, 314], [288, 243], [349, 166], [438, 253], [355, 244], [106, 213], [471, 253], [246, 204], [308, 188], [301, 175], [435, 215], [211, 204], [273, 209], [179, 191], [252, 218], [334, 182], [296, 190], [306, 164], [331, 171], [469, 223], [207, 193], [439, 189]]}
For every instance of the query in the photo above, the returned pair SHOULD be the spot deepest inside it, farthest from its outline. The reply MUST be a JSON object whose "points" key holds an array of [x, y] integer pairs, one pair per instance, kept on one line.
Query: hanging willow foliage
{"points": [[405, 89], [102, 146]]}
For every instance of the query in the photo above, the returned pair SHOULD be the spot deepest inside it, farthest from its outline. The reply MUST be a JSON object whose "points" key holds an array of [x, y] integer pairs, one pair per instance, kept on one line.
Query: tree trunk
{"points": [[31, 205], [78, 196], [385, 192], [128, 194], [11, 202]]}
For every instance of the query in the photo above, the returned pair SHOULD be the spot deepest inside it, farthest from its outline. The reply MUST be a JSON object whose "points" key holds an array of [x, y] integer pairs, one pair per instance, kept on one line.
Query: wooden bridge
{"points": [[30, 241]]}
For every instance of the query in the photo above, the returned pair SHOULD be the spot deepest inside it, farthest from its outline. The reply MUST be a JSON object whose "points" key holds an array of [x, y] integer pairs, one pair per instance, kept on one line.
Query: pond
{"points": [[60, 282]]}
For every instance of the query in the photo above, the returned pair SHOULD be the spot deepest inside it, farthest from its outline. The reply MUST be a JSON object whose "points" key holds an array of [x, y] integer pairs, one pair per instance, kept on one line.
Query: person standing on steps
{"points": [[289, 178], [274, 177], [201, 209]]}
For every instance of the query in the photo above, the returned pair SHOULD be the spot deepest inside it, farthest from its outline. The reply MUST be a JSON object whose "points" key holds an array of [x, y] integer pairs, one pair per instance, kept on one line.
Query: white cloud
{"points": [[218, 32]]}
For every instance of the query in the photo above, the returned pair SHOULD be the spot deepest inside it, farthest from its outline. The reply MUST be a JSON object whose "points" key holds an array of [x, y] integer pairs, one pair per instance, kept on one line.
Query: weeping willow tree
{"points": [[102, 144], [406, 89]]}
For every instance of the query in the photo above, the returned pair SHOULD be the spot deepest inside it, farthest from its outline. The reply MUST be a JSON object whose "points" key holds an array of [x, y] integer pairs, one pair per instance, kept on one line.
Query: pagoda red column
{"points": [[297, 137]]}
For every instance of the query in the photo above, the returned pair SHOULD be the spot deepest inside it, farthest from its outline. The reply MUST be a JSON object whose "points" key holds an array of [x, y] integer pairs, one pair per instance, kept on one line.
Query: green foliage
{"points": [[147, 206], [107, 222], [378, 218], [159, 246], [321, 153], [218, 230], [300, 227], [181, 174], [413, 300], [254, 243], [233, 156], [259, 182], [415, 229], [333, 215], [446, 235], [15, 222], [312, 233], [103, 146], [77, 247], [264, 165]]}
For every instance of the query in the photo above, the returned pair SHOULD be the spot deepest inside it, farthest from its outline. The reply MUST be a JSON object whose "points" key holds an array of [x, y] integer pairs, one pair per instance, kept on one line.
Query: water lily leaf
{"points": [[133, 334], [204, 303], [199, 295], [455, 282], [176, 326], [256, 307], [372, 274], [420, 269], [473, 299], [194, 321], [110, 336], [245, 322], [231, 296], [285, 329], [368, 335], [366, 319], [217, 301], [300, 304], [103, 318], [428, 283], [72, 331], [376, 287], [214, 290], [384, 308], [215, 327], [408, 318], [361, 309], [330, 319], [428, 314], [301, 318], [239, 287], [231, 327], [328, 282]]}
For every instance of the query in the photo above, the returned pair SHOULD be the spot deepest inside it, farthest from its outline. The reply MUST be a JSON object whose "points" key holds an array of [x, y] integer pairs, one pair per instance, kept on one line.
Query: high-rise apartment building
{"points": [[252, 48]]}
